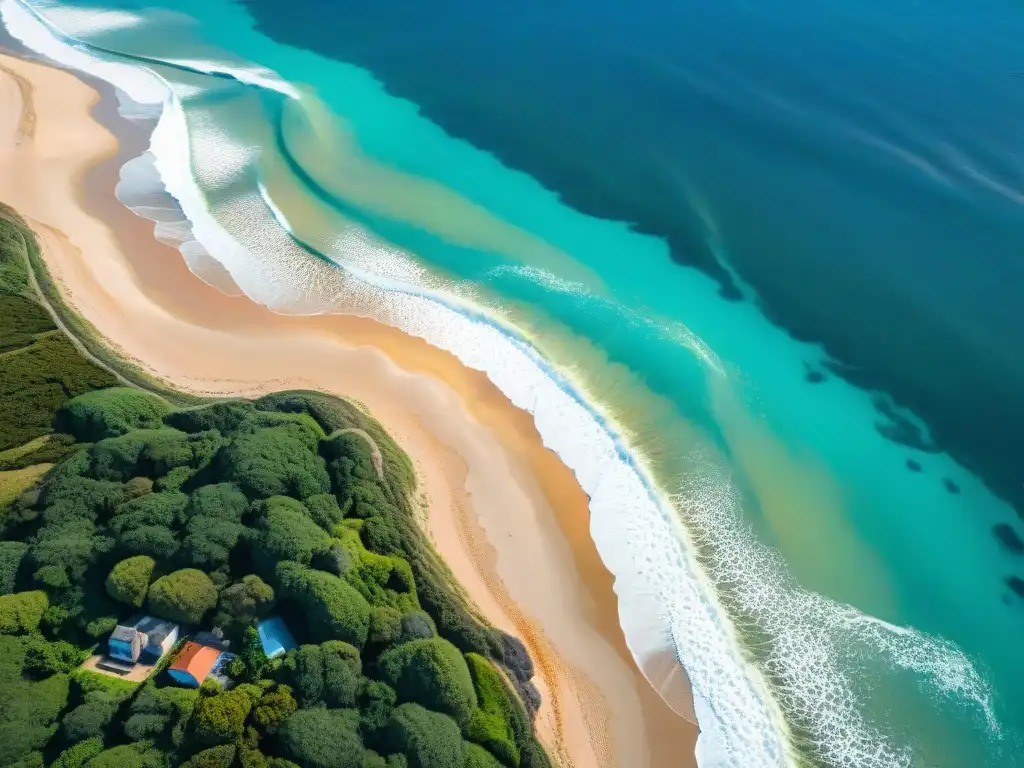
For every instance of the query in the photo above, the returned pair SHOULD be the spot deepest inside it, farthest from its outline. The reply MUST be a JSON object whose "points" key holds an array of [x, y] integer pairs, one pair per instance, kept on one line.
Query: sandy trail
{"points": [[504, 512]]}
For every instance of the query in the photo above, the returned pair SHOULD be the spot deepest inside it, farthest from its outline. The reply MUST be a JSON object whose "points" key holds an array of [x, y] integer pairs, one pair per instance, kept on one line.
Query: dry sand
{"points": [[503, 511]]}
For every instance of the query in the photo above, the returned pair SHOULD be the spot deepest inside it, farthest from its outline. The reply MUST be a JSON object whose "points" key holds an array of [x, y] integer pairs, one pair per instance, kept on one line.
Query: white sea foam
{"points": [[647, 539]]}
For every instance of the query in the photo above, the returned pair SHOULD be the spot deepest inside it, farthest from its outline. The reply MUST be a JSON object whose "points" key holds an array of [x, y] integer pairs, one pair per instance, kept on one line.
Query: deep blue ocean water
{"points": [[777, 246]]}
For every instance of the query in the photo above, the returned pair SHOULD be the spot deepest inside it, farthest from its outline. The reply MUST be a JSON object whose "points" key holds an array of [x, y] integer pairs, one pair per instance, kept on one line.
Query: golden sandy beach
{"points": [[503, 511]]}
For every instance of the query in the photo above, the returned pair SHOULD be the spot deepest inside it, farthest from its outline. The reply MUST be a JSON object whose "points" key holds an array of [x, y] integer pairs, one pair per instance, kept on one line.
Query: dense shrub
{"points": [[28, 710], [385, 626], [150, 453], [37, 381], [324, 510], [417, 626], [128, 756], [322, 738], [11, 555], [278, 461], [223, 417], [160, 712], [222, 500], [20, 613], [183, 596], [427, 739], [327, 673], [87, 720], [274, 708], [286, 533], [77, 755], [72, 546], [128, 581], [45, 657], [478, 757], [433, 673], [244, 603], [110, 412], [154, 509], [333, 608], [376, 704], [221, 718], [152, 540], [209, 541], [222, 756], [499, 723]]}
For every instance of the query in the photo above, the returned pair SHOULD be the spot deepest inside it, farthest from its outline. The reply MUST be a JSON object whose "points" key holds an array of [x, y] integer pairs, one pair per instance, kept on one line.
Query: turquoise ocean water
{"points": [[772, 334]]}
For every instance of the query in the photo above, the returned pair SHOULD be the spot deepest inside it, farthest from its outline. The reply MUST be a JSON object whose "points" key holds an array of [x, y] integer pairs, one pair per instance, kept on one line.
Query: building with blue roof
{"points": [[275, 637]]}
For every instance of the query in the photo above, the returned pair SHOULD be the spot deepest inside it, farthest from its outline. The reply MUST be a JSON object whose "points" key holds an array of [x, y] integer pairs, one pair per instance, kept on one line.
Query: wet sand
{"points": [[507, 516]]}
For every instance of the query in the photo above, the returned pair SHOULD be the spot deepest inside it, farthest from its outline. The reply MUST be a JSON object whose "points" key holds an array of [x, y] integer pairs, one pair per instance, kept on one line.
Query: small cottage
{"points": [[193, 664], [145, 635], [125, 644]]}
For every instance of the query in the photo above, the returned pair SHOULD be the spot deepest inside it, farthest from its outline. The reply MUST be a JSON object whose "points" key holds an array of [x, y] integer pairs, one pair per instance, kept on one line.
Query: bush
{"points": [[209, 541], [110, 412], [322, 738], [327, 674], [385, 626], [44, 658], [71, 545], [287, 533], [417, 626], [433, 673], [324, 510], [152, 540], [500, 723], [376, 705], [221, 718], [159, 509], [222, 500], [37, 381], [11, 555], [274, 708], [223, 417], [478, 757], [333, 608], [21, 613], [278, 461], [183, 596], [244, 603], [77, 755], [159, 712], [87, 720], [222, 756], [28, 712], [428, 739], [127, 756], [128, 581]]}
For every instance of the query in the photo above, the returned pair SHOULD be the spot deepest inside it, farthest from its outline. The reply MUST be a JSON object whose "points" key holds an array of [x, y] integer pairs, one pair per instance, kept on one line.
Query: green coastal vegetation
{"points": [[115, 501]]}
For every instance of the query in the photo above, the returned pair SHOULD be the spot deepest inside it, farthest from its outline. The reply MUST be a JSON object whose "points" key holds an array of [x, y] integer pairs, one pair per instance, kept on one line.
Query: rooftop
{"points": [[196, 659]]}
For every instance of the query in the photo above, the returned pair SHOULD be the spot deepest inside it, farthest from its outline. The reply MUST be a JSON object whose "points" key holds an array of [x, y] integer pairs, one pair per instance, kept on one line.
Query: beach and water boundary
{"points": [[206, 320]]}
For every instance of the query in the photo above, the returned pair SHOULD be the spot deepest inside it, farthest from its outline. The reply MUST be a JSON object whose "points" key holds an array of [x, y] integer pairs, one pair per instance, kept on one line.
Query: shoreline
{"points": [[508, 517]]}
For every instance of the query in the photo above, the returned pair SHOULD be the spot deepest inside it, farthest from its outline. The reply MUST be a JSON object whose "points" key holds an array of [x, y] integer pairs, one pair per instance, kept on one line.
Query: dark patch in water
{"points": [[951, 486], [1009, 538], [1016, 585], [812, 375], [913, 466]]}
